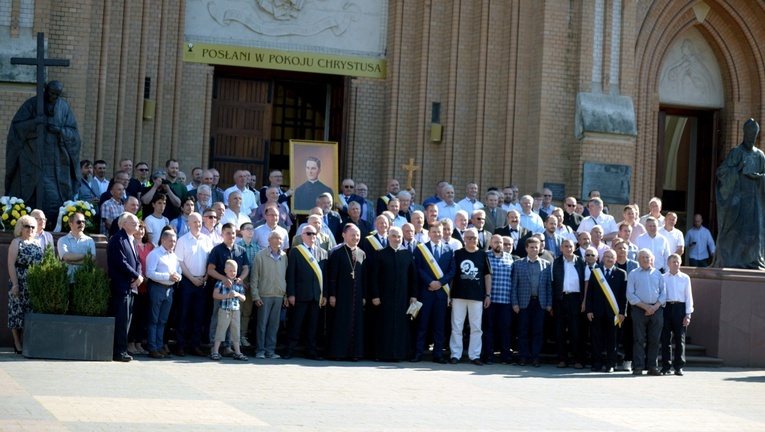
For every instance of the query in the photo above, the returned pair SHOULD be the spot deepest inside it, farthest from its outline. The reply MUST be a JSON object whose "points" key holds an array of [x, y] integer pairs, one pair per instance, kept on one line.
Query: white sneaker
{"points": [[244, 342], [627, 366], [273, 356], [260, 356]]}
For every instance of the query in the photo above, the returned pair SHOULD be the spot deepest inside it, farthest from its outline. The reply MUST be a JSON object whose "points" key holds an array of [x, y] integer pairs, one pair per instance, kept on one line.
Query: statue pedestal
{"points": [[729, 317]]}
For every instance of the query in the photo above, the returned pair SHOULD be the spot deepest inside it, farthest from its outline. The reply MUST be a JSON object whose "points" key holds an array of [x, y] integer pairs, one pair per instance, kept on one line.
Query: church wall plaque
{"points": [[613, 181]]}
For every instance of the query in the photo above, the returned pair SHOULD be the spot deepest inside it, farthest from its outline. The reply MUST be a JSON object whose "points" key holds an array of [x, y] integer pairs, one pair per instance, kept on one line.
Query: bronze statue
{"points": [[741, 205], [43, 172]]}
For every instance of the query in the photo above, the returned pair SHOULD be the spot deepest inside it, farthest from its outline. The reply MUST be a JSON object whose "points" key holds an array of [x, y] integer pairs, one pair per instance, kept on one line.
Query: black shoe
{"points": [[536, 364], [477, 362], [454, 360], [679, 372], [665, 371], [416, 359], [122, 357], [287, 355], [488, 360], [507, 360], [440, 360], [313, 357]]}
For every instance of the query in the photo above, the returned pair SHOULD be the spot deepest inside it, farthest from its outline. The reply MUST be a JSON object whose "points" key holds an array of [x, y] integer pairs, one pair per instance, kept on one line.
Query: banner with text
{"points": [[282, 60]]}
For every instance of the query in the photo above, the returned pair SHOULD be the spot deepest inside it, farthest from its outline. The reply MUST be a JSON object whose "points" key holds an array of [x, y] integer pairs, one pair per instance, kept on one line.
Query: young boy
{"points": [[228, 314], [246, 231], [155, 221]]}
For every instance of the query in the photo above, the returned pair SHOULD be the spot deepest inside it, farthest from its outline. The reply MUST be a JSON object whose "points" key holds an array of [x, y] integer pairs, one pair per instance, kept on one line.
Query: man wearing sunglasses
{"points": [[73, 247], [570, 217], [346, 196]]}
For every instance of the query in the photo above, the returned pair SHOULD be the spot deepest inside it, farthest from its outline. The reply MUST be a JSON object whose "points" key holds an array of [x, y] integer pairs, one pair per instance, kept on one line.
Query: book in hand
{"points": [[414, 309]]}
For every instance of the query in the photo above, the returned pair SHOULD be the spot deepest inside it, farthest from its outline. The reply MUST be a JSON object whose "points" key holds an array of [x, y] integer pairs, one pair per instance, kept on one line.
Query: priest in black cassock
{"points": [[392, 287], [346, 270], [373, 243]]}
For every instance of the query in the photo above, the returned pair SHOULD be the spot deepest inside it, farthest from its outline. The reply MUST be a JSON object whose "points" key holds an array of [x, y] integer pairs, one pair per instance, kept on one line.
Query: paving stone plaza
{"points": [[193, 394]]}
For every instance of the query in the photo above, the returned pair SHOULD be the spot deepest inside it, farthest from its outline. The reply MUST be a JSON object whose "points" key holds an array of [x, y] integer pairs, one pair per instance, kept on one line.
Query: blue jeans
{"points": [[160, 298]]}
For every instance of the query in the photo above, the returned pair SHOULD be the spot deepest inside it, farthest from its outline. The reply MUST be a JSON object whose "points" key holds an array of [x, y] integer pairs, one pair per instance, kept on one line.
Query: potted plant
{"points": [[68, 323]]}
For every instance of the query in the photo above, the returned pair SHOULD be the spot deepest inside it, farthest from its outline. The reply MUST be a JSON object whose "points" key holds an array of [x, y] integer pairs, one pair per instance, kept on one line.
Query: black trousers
{"points": [[603, 337], [567, 313], [673, 336], [122, 309], [305, 314]]}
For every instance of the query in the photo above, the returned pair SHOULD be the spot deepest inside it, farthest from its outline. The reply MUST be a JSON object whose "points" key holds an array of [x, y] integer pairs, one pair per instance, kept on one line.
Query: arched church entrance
{"points": [[691, 98]]}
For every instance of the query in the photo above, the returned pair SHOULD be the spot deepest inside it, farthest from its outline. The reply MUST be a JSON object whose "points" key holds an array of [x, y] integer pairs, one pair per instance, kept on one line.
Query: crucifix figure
{"points": [[43, 146], [410, 169]]}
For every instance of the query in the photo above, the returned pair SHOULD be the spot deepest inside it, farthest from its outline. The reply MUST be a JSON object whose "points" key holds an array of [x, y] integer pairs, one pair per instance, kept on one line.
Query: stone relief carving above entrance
{"points": [[691, 75]]}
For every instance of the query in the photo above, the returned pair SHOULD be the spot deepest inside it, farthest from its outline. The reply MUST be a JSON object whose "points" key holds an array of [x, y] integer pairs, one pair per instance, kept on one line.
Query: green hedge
{"points": [[48, 285]]}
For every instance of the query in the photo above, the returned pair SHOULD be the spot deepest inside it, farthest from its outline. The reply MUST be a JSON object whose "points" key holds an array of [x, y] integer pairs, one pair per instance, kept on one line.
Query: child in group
{"points": [[228, 313], [155, 221]]}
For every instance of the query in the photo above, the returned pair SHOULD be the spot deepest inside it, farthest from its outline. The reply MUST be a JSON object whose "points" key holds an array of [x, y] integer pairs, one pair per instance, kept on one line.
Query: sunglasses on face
{"points": [[310, 234], [79, 222], [30, 226], [211, 217], [590, 255]]}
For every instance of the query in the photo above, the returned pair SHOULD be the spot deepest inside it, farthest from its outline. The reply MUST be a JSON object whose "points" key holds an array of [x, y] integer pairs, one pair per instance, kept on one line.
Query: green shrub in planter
{"points": [[48, 285], [90, 292]]}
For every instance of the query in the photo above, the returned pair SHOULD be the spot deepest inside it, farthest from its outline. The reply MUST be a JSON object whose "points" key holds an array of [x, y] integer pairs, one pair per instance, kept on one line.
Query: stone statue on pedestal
{"points": [[43, 170], [741, 205]]}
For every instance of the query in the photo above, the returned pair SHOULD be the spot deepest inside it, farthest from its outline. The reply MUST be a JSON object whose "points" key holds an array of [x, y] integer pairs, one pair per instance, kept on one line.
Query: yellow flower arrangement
{"points": [[70, 208], [12, 209]]}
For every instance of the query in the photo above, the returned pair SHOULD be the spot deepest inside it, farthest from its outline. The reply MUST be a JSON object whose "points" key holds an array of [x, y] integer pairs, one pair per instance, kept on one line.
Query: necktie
{"points": [[608, 273], [494, 215], [437, 252], [384, 242]]}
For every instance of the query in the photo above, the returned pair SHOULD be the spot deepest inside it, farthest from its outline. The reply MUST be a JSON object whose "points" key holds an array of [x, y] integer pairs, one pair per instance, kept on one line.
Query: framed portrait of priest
{"points": [[313, 171]]}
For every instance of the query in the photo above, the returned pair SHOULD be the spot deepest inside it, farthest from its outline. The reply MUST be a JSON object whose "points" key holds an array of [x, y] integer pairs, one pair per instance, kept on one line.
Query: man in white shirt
{"points": [[597, 217], [192, 250], [249, 201], [260, 236], [470, 202], [235, 214], [677, 316], [673, 235], [448, 208], [530, 220], [656, 243], [163, 271], [700, 244], [655, 210]]}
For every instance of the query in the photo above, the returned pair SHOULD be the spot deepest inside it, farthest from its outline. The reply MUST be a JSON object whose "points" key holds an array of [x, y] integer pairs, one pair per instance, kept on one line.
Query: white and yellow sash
{"points": [[385, 199], [434, 267], [608, 293], [375, 243], [314, 265]]}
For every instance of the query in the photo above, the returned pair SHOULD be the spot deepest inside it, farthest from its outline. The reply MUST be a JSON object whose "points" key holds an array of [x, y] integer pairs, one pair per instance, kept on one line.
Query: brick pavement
{"points": [[197, 394]]}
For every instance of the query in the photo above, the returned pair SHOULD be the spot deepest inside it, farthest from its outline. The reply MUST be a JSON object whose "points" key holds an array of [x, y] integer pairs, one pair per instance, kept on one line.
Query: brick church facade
{"points": [[526, 92]]}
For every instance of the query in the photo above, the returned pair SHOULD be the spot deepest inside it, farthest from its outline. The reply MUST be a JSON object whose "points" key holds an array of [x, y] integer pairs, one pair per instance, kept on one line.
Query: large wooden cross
{"points": [[410, 169], [40, 61]]}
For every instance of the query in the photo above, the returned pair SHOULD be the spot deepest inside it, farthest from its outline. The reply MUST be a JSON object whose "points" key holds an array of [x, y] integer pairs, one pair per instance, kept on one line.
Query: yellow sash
{"points": [[375, 243], [385, 199], [314, 265], [606, 288], [434, 267]]}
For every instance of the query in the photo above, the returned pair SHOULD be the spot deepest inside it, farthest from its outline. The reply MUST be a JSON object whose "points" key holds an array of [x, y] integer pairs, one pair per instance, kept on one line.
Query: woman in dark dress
{"points": [[23, 252]]}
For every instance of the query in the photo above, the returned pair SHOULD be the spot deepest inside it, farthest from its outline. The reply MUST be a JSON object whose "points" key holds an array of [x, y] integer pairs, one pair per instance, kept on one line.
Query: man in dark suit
{"points": [[515, 231], [125, 276], [570, 217], [567, 287], [330, 218], [305, 283], [354, 217], [531, 296], [382, 202], [496, 217], [478, 221], [346, 196], [435, 269], [601, 311]]}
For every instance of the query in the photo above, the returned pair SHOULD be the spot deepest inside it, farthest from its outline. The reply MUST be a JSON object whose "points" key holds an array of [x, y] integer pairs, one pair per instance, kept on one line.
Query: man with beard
{"points": [[346, 274], [392, 284]]}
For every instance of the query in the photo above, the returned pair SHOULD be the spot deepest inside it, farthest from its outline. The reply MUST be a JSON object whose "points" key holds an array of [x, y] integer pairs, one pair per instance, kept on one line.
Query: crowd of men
{"points": [[386, 279]]}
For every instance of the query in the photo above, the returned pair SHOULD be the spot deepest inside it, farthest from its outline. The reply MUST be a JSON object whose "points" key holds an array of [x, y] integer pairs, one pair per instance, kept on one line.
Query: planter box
{"points": [[68, 337]]}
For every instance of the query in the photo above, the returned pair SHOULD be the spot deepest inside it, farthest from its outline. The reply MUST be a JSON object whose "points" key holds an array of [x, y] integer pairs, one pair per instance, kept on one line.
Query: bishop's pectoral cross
{"points": [[40, 62], [410, 169]]}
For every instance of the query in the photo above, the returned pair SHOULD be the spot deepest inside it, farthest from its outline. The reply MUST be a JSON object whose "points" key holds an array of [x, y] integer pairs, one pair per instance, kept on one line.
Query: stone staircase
{"points": [[696, 356]]}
